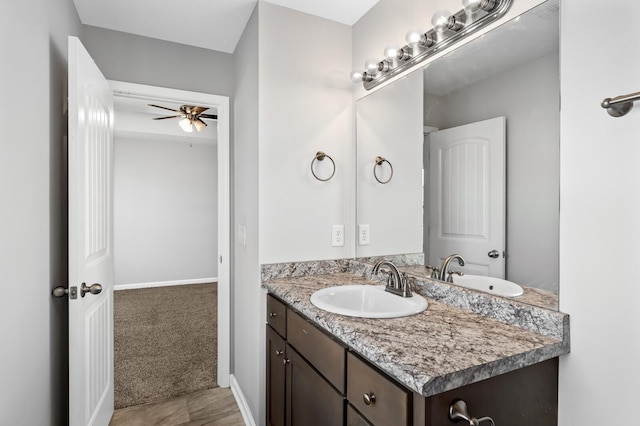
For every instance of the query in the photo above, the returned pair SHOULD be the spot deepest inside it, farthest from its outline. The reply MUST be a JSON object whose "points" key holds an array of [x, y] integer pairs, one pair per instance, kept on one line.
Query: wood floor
{"points": [[213, 407]]}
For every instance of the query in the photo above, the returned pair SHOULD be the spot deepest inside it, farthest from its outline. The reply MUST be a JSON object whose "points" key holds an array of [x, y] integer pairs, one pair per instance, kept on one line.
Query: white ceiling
{"points": [[210, 24]]}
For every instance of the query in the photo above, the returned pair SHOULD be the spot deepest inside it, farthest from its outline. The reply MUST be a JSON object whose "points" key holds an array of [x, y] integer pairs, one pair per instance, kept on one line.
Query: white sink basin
{"points": [[492, 285], [367, 301]]}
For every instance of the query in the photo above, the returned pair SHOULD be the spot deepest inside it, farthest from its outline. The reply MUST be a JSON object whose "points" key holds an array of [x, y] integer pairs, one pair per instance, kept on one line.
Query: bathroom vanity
{"points": [[329, 369]]}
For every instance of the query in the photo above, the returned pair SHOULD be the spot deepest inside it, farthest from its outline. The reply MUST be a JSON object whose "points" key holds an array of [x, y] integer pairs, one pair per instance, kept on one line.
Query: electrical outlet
{"points": [[337, 235], [363, 234]]}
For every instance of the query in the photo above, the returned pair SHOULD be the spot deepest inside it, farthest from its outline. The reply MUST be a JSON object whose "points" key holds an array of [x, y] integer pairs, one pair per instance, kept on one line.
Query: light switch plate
{"points": [[242, 235], [363, 234], [337, 235]]}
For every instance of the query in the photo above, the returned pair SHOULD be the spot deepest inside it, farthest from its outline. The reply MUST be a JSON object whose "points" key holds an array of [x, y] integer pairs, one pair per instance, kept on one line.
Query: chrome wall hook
{"points": [[320, 156]]}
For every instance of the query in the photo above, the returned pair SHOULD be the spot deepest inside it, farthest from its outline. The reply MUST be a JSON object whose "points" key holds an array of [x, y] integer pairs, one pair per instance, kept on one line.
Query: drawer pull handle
{"points": [[286, 361], [369, 398], [278, 353], [272, 314]]}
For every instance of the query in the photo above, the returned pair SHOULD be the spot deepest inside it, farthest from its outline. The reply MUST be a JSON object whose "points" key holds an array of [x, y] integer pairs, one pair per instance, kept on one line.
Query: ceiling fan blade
{"points": [[159, 106], [211, 116], [199, 124], [164, 118]]}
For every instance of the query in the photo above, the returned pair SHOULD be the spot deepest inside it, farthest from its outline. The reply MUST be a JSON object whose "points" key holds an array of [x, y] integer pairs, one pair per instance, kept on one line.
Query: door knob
{"points": [[494, 254], [458, 413], [93, 289]]}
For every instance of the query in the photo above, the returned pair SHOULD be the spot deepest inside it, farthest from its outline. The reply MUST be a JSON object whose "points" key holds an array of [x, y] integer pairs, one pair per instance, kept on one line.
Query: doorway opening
{"points": [[180, 179]]}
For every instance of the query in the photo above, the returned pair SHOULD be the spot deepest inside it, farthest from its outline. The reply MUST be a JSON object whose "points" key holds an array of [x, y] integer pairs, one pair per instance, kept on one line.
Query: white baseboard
{"points": [[165, 283], [243, 406]]}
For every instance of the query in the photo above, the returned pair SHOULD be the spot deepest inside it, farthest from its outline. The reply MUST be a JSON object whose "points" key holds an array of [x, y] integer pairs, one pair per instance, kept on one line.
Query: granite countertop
{"points": [[441, 349]]}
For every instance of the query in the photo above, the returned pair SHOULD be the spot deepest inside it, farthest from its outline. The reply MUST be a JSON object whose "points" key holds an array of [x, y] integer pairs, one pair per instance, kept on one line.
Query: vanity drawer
{"points": [[379, 399], [277, 315], [324, 353]]}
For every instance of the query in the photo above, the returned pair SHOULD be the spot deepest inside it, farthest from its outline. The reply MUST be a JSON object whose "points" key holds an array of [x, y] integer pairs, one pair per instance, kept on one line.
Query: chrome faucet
{"points": [[445, 265], [396, 281]]}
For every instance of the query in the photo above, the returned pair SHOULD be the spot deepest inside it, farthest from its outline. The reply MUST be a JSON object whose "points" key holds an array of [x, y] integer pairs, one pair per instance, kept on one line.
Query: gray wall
{"points": [[33, 248], [389, 124], [528, 95], [248, 305], [165, 210], [305, 107], [136, 59]]}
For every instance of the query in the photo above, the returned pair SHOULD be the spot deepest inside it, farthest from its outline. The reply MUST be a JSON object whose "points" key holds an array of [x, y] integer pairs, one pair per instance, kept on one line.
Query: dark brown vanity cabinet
{"points": [[305, 371], [312, 379]]}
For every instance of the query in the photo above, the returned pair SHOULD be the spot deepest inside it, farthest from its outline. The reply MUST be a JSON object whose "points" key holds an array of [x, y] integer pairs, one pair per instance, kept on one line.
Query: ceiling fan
{"points": [[191, 116]]}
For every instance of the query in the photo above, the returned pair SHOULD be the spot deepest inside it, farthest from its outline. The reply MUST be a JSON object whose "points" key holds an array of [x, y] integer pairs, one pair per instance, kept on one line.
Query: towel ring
{"points": [[379, 162], [320, 156]]}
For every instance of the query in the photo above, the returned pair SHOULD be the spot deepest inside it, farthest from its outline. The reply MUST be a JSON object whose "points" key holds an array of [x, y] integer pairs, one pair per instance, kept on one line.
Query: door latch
{"points": [[61, 291]]}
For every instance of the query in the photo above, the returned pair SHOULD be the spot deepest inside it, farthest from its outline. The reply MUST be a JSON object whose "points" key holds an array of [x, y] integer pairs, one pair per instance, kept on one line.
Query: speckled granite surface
{"points": [[441, 349], [513, 311]]}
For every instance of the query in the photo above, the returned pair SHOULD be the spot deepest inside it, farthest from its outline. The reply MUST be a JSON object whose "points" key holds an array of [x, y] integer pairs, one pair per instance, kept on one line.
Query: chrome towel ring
{"points": [[320, 156], [379, 162]]}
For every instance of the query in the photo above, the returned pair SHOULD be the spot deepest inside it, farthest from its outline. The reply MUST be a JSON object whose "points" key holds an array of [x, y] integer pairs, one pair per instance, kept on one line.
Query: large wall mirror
{"points": [[462, 157]]}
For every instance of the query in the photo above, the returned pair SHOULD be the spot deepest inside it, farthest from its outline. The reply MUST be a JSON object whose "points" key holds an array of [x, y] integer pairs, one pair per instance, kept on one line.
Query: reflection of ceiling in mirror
{"points": [[521, 40]]}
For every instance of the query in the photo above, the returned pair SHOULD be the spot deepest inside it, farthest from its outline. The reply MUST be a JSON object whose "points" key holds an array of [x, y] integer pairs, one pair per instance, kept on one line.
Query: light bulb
{"points": [[440, 20], [356, 76], [371, 66], [391, 52], [472, 6], [185, 124], [413, 38]]}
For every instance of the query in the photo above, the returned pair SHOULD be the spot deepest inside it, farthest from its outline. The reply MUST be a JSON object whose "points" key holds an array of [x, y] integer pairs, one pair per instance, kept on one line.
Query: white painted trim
{"points": [[243, 406], [429, 129], [221, 104], [165, 283]]}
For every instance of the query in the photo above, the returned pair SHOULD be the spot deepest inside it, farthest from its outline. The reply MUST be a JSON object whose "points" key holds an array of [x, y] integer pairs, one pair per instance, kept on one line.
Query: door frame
{"points": [[221, 104]]}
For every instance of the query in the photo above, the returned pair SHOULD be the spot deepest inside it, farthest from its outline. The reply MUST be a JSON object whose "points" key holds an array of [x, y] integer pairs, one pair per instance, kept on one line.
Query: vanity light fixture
{"points": [[448, 29]]}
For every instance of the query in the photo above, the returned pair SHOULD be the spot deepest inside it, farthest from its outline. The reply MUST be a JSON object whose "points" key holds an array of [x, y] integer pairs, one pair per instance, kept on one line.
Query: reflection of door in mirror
{"points": [[466, 198]]}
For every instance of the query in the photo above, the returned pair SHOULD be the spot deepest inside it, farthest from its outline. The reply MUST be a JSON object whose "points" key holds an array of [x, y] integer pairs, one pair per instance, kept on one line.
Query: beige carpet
{"points": [[165, 342]]}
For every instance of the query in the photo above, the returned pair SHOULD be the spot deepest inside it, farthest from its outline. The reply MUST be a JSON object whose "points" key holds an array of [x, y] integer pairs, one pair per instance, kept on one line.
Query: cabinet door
{"points": [[355, 419], [275, 378], [311, 400], [524, 397]]}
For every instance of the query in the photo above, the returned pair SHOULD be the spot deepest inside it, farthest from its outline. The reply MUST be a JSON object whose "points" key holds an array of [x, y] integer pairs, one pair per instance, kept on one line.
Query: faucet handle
{"points": [[405, 285], [450, 275], [433, 271]]}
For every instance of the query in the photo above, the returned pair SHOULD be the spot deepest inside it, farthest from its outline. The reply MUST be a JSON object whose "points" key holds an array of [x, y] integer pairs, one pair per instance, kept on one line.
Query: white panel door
{"points": [[90, 240], [467, 202]]}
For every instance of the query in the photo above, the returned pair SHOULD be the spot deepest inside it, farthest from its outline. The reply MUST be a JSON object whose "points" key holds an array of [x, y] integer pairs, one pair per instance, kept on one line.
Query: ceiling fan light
{"points": [[185, 124], [199, 124]]}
